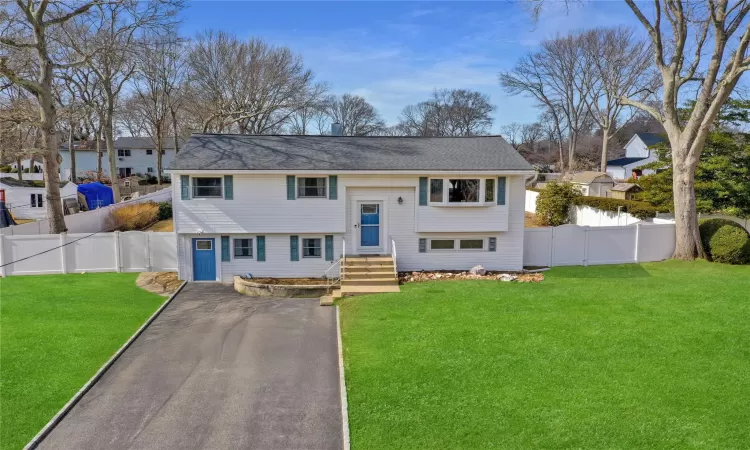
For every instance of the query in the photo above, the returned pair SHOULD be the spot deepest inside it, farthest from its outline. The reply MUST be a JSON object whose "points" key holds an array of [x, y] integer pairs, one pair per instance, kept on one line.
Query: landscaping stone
{"points": [[417, 277], [162, 283], [477, 270]]}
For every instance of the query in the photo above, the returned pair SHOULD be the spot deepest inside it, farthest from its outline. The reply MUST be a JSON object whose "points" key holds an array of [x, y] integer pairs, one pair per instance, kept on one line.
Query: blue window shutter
{"points": [[228, 187], [294, 246], [493, 244], [422, 245], [185, 186], [329, 247], [261, 240], [290, 180], [332, 187], [225, 248], [501, 190], [422, 191]]}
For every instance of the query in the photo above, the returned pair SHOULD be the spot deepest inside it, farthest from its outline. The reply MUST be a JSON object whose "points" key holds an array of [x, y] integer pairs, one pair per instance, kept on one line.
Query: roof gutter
{"points": [[528, 173]]}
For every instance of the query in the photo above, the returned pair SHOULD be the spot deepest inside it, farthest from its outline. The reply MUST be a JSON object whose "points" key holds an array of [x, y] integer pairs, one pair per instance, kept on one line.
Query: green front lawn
{"points": [[56, 331], [633, 356]]}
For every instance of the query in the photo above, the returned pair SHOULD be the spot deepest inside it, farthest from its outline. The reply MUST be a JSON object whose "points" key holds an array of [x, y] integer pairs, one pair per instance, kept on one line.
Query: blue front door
{"points": [[204, 259], [369, 224]]}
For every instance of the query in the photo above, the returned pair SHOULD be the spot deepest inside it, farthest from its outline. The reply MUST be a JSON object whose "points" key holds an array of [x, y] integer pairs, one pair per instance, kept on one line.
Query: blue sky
{"points": [[396, 53]]}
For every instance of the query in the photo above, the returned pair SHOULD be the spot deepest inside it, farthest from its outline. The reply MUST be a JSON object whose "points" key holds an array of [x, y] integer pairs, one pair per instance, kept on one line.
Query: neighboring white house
{"points": [[26, 199], [135, 155], [592, 184], [637, 154], [37, 174], [288, 206]]}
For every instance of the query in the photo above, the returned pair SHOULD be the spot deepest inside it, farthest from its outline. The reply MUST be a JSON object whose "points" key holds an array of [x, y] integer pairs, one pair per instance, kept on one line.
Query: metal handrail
{"points": [[332, 280], [393, 255], [343, 258]]}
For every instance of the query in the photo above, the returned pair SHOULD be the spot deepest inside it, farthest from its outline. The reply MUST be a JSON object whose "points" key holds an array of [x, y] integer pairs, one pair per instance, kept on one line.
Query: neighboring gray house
{"points": [[135, 155], [637, 154], [292, 206]]}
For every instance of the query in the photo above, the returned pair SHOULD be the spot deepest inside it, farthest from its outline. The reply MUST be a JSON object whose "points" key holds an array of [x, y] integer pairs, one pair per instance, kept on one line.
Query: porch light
{"points": [[400, 201]]}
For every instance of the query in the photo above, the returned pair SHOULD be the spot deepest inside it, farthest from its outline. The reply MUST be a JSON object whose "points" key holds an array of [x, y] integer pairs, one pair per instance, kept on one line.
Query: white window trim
{"points": [[297, 185], [446, 188], [252, 248], [192, 187], [322, 247], [457, 244]]}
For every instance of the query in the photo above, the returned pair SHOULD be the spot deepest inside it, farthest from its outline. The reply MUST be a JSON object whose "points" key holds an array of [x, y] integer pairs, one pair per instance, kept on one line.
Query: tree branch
{"points": [[642, 106]]}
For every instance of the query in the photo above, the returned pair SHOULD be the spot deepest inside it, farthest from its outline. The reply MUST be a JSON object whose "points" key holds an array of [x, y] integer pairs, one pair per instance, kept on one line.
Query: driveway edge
{"points": [[89, 384], [342, 387]]}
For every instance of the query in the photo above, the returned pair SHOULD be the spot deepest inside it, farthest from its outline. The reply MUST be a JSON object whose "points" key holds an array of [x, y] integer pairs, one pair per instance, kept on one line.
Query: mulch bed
{"points": [[418, 277]]}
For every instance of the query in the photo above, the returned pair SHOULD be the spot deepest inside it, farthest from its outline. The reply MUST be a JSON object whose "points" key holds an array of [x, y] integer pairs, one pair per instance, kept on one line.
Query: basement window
{"points": [[311, 248]]}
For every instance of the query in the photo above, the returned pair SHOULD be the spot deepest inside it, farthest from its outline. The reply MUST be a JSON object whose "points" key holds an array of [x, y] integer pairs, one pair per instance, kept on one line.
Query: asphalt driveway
{"points": [[217, 370]]}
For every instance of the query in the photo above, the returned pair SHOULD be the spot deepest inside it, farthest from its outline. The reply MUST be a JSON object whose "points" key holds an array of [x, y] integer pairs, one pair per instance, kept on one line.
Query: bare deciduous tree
{"points": [[249, 87], [355, 115], [512, 133], [622, 68], [457, 112], [29, 57], [558, 78], [720, 32]]}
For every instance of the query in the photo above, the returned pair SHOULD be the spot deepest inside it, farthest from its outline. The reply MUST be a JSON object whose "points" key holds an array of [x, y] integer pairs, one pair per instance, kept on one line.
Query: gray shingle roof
{"points": [[651, 138], [251, 152], [130, 142]]}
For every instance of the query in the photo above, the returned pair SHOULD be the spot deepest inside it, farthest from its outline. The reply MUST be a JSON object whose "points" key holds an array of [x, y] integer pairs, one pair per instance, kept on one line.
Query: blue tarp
{"points": [[97, 195]]}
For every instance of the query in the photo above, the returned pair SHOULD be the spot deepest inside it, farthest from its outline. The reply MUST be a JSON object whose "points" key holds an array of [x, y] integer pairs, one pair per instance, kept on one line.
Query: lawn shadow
{"points": [[605, 271]]}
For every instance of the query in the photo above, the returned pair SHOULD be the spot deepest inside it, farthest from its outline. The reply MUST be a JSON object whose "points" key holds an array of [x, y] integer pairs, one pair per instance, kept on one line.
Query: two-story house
{"points": [[637, 155], [135, 155], [291, 206]]}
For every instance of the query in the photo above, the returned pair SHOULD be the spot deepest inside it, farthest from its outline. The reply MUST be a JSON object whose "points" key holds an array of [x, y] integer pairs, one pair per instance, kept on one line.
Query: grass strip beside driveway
{"points": [[56, 331], [632, 356]]}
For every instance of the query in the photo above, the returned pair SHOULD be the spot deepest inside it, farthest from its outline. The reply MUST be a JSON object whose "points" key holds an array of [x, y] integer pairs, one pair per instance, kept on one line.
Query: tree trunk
{"points": [[111, 152], [159, 146], [19, 168], [688, 244], [72, 152], [98, 137], [572, 141], [51, 168], [605, 144], [174, 130]]}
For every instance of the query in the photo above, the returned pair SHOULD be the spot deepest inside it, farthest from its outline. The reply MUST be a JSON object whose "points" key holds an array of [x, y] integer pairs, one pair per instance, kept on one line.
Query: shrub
{"points": [[5, 169], [553, 203], [641, 210], [165, 210], [133, 217], [725, 241]]}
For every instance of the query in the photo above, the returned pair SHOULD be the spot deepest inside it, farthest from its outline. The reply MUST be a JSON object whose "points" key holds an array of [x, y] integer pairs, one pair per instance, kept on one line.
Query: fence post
{"points": [[585, 246], [552, 247], [637, 240], [148, 251], [2, 255], [118, 265], [63, 260]]}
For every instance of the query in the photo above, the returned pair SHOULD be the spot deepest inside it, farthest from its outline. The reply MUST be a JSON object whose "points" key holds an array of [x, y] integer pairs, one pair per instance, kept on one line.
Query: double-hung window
{"points": [[311, 248], [122, 152], [489, 190], [149, 152], [243, 248], [311, 187], [207, 187], [36, 201]]}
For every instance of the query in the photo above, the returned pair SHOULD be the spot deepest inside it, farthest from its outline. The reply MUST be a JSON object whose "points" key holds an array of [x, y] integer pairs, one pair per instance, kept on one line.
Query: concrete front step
{"points": [[348, 290], [327, 300]]}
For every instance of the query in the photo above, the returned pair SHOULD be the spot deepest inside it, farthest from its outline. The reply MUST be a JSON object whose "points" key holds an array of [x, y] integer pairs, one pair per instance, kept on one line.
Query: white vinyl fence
{"points": [[131, 251], [86, 221], [572, 245]]}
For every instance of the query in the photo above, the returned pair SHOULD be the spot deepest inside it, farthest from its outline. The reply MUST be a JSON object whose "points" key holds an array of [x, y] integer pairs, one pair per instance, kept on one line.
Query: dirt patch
{"points": [[530, 220], [520, 277], [162, 225], [162, 283], [288, 281]]}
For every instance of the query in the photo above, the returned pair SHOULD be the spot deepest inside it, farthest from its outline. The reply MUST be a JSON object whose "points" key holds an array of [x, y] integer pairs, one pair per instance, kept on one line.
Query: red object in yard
{"points": [[6, 219]]}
